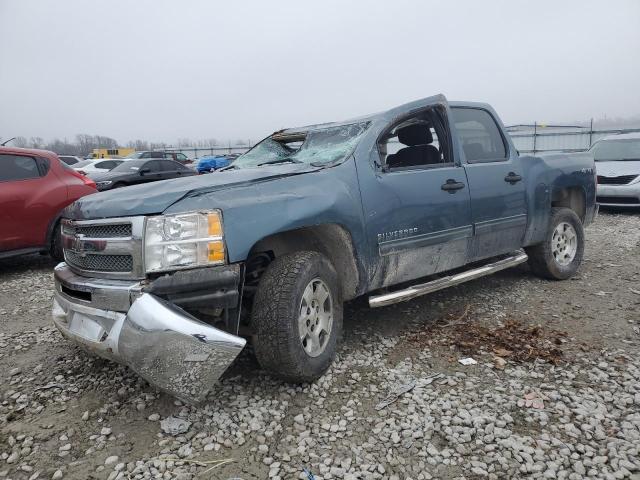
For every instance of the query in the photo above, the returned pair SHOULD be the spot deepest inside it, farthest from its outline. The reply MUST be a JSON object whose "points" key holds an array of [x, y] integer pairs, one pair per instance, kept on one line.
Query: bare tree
{"points": [[36, 142], [138, 144], [20, 142]]}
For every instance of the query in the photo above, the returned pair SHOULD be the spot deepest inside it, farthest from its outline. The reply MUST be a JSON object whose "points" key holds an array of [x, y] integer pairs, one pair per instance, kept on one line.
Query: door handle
{"points": [[452, 186], [512, 178]]}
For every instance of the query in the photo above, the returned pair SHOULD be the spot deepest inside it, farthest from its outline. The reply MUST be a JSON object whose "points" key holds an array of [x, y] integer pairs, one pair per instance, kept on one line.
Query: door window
{"points": [[154, 166], [18, 167], [419, 141], [480, 136], [168, 166]]}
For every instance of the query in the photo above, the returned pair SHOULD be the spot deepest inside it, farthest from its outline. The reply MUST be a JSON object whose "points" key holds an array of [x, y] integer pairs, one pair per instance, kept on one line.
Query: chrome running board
{"points": [[423, 288]]}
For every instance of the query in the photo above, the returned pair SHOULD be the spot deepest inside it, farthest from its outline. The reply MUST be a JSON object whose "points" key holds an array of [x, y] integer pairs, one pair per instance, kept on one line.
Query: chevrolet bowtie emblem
{"points": [[78, 244]]}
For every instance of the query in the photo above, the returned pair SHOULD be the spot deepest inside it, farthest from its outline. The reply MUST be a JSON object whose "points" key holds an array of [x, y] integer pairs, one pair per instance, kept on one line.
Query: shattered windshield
{"points": [[612, 150], [317, 147]]}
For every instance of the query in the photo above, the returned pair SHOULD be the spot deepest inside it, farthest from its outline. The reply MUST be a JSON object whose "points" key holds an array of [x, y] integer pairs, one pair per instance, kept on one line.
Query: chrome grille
{"points": [[621, 180], [99, 231], [100, 263], [105, 248]]}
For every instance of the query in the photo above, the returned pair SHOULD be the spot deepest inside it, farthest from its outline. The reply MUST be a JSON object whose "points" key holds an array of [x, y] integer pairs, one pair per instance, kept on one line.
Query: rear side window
{"points": [[108, 164], [18, 167], [480, 136]]}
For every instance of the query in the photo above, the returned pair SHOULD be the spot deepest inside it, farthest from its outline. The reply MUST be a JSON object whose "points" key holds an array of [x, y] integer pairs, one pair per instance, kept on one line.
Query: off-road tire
{"points": [[541, 259], [275, 314], [55, 249]]}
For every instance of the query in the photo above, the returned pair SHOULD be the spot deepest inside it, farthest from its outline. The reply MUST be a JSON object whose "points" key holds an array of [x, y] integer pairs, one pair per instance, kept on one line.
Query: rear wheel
{"points": [[560, 254], [55, 250], [297, 316]]}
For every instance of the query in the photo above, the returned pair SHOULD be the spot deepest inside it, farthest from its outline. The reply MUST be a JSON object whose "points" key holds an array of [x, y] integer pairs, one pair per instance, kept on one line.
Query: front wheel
{"points": [[560, 254], [297, 316]]}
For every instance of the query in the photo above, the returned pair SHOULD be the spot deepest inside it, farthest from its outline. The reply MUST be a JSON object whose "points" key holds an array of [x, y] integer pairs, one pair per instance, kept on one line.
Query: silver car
{"points": [[618, 167]]}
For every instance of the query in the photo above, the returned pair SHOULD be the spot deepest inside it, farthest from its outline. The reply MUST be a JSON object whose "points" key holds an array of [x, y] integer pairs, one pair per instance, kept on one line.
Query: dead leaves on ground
{"points": [[510, 341]]}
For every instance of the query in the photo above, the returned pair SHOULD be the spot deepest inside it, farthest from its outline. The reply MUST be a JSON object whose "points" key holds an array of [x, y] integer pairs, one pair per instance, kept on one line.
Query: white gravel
{"points": [[66, 414]]}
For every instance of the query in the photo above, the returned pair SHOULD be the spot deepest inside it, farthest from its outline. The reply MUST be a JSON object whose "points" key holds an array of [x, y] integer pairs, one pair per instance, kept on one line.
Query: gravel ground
{"points": [[555, 392]]}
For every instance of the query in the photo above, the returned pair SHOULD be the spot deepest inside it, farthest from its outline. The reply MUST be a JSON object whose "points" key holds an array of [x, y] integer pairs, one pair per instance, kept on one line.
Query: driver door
{"points": [[417, 205]]}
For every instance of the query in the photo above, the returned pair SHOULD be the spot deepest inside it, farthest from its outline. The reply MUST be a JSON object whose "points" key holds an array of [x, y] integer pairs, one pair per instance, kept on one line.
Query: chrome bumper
{"points": [[162, 343]]}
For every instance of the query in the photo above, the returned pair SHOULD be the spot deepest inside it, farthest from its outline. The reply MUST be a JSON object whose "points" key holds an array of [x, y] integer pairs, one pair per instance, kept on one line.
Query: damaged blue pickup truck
{"points": [[173, 278]]}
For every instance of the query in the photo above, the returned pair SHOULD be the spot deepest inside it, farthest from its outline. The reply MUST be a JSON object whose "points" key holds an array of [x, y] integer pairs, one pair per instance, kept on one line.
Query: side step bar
{"points": [[422, 289]]}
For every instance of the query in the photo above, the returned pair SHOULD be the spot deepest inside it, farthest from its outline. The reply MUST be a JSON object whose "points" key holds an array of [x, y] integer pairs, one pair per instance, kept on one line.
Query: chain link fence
{"points": [[540, 138]]}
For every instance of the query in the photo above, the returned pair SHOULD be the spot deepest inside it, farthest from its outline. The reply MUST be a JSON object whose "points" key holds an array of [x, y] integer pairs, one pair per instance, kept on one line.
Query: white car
{"points": [[618, 166], [99, 165]]}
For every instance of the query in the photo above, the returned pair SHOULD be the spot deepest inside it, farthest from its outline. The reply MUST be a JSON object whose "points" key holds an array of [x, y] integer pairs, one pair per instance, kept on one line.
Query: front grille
{"points": [[100, 263], [99, 231], [618, 200], [105, 248], [621, 180]]}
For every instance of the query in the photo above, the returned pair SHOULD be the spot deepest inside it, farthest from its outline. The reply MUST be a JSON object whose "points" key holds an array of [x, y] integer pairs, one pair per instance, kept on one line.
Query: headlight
{"points": [[106, 183], [183, 240]]}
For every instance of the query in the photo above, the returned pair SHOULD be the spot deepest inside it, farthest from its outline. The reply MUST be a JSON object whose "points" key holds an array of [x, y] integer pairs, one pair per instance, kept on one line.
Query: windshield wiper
{"points": [[280, 160], [228, 167]]}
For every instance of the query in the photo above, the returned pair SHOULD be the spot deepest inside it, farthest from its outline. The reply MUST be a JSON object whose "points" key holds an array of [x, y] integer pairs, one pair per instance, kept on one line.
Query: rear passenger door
{"points": [[496, 184]]}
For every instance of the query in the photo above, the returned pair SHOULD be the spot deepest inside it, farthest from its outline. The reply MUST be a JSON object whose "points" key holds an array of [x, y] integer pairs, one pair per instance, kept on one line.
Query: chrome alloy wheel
{"points": [[564, 244], [316, 317]]}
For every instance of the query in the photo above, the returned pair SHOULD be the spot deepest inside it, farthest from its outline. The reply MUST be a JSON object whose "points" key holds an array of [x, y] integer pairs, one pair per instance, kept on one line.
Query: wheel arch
{"points": [[332, 240], [51, 228], [573, 198]]}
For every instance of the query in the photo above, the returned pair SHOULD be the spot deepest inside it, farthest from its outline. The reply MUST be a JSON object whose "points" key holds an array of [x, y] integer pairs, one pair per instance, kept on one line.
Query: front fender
{"points": [[253, 212]]}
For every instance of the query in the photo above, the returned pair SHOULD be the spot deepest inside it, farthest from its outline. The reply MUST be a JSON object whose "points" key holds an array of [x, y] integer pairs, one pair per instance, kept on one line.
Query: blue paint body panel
{"points": [[402, 225]]}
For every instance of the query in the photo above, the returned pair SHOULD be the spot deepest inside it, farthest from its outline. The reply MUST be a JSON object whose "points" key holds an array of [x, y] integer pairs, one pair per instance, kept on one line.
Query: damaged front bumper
{"points": [[168, 347]]}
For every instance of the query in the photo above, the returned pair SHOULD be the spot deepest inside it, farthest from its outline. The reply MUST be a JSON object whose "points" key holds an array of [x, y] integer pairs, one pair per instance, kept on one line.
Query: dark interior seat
{"points": [[419, 149]]}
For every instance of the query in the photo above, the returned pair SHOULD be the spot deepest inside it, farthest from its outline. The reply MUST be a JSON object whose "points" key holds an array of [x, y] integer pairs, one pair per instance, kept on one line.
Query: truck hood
{"points": [[619, 168], [156, 197]]}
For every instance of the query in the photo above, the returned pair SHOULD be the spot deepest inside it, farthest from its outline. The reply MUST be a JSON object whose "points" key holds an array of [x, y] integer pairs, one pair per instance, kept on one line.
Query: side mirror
{"points": [[142, 171]]}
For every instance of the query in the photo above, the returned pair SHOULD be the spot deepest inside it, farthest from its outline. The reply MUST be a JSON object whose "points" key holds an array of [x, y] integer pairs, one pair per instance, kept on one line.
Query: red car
{"points": [[34, 188]]}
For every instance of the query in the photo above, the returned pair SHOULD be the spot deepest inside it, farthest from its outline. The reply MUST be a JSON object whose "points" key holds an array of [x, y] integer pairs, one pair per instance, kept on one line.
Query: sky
{"points": [[161, 70]]}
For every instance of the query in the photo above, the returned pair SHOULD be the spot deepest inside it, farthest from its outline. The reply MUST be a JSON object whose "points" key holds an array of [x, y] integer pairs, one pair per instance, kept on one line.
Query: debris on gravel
{"points": [[555, 392]]}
